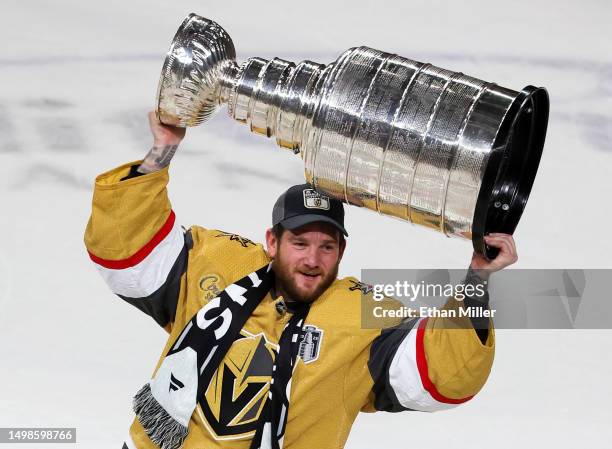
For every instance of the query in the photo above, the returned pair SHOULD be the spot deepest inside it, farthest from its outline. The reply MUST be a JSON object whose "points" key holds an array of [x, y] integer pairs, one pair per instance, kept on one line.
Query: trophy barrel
{"points": [[424, 144]]}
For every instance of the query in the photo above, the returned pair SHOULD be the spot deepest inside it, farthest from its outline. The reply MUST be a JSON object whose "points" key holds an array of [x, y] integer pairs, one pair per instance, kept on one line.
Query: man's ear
{"points": [[271, 243]]}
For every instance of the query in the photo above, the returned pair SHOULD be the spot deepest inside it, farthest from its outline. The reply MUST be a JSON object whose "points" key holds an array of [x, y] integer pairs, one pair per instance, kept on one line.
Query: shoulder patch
{"points": [[244, 242], [358, 285]]}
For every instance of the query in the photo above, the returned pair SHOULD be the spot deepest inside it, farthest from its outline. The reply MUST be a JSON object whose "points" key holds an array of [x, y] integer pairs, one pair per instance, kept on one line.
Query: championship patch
{"points": [[314, 200], [310, 345]]}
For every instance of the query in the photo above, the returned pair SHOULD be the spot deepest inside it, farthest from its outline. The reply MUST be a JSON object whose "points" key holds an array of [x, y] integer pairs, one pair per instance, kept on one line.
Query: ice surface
{"points": [[76, 81]]}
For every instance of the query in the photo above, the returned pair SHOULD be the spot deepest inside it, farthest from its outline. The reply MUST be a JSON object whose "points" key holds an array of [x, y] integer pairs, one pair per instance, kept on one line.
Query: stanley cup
{"points": [[407, 139]]}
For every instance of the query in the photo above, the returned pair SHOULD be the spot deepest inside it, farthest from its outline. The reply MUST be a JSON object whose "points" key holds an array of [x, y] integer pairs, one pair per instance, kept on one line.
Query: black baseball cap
{"points": [[302, 204]]}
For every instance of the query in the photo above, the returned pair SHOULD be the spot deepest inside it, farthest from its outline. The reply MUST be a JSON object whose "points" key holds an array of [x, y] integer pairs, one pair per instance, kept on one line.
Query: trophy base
{"points": [[512, 168]]}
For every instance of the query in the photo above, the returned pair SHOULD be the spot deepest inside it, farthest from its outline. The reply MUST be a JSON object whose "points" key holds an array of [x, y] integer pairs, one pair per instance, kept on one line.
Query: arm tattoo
{"points": [[157, 158]]}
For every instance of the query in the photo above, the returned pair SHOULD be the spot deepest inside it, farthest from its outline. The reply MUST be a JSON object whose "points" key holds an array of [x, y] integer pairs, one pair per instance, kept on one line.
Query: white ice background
{"points": [[76, 81]]}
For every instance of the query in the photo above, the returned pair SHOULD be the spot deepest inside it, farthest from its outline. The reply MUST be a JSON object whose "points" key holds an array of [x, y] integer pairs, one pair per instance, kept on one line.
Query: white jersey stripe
{"points": [[406, 381], [148, 275]]}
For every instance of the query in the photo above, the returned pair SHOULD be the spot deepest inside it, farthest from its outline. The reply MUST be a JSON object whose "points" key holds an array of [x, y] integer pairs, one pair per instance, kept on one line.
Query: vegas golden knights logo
{"points": [[314, 200], [237, 392]]}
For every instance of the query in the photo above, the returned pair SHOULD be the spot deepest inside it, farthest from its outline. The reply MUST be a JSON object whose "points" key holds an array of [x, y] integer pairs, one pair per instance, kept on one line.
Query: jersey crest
{"points": [[234, 399]]}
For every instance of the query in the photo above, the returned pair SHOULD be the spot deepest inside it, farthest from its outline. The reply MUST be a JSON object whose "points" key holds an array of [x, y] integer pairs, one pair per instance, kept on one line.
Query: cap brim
{"points": [[301, 220]]}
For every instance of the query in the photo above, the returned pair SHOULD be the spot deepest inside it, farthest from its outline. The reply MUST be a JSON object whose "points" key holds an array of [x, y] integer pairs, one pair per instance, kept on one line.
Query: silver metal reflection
{"points": [[374, 129]]}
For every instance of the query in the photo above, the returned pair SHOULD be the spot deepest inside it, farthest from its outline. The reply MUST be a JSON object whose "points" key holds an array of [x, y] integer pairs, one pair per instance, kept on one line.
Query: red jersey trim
{"points": [[142, 253], [423, 370]]}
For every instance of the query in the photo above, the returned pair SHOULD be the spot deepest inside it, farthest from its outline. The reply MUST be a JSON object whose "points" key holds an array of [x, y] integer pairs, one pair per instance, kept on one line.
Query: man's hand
{"points": [[164, 134], [507, 255], [166, 140]]}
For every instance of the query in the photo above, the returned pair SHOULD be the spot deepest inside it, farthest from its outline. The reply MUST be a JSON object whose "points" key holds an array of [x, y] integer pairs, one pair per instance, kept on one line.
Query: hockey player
{"points": [[265, 346]]}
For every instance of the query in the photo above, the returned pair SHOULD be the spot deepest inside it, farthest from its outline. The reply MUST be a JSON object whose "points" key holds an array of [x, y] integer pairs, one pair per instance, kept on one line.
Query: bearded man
{"points": [[265, 346]]}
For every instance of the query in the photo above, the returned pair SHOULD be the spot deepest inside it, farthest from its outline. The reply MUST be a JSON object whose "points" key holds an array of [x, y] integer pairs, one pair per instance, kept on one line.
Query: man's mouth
{"points": [[309, 276]]}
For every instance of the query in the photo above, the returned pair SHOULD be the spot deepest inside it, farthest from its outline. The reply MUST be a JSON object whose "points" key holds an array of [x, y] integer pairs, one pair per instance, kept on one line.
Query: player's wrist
{"points": [[158, 157], [166, 141]]}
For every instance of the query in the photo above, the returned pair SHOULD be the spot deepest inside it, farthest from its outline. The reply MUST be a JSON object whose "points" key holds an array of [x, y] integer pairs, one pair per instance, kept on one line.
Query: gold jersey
{"points": [[151, 262]]}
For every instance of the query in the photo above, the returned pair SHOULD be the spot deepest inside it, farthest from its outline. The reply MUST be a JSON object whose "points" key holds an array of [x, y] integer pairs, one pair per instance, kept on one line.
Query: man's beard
{"points": [[285, 282]]}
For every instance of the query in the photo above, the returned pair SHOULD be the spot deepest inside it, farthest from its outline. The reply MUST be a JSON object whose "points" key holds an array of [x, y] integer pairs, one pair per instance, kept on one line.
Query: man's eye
{"points": [[300, 244]]}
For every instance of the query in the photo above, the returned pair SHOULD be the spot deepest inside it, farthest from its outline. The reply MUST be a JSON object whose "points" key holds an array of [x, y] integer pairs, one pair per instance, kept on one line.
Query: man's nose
{"points": [[312, 257]]}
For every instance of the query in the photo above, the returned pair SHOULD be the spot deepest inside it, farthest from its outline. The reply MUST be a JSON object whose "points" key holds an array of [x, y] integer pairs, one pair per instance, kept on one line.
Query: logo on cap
{"points": [[314, 200]]}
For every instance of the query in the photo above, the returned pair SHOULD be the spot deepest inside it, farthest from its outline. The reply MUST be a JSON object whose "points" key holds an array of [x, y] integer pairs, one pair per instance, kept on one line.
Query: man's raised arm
{"points": [[132, 235], [436, 363]]}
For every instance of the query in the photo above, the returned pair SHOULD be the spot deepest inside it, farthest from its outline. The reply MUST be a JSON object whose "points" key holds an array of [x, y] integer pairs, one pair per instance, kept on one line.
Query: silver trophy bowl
{"points": [[404, 138]]}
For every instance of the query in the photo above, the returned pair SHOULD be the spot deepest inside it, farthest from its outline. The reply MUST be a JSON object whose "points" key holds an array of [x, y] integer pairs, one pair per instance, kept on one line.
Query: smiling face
{"points": [[306, 260]]}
